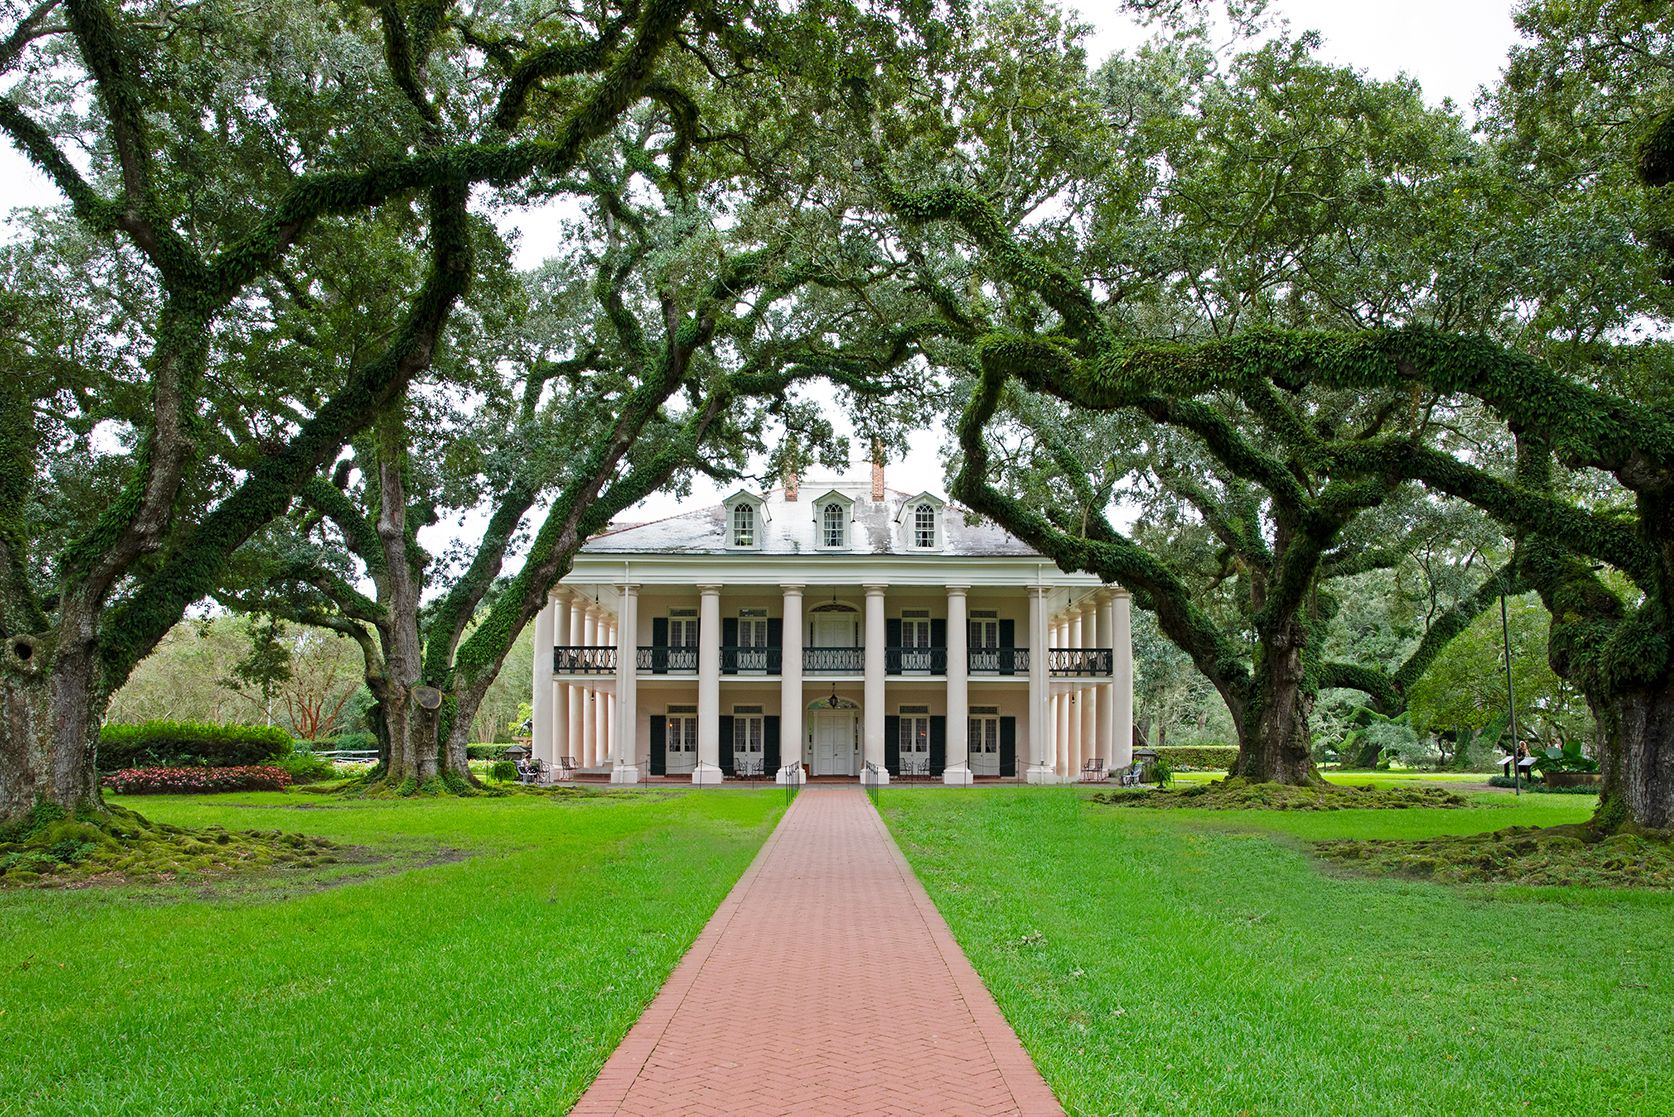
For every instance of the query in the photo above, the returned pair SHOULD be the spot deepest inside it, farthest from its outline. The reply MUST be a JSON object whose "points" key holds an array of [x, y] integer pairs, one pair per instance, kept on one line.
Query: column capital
{"points": [[709, 589], [793, 587], [1041, 592], [558, 593], [1117, 593], [629, 589], [955, 589]]}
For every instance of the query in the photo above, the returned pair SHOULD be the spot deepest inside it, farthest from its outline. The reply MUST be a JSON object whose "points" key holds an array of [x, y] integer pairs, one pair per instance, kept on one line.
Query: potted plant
{"points": [[1565, 766]]}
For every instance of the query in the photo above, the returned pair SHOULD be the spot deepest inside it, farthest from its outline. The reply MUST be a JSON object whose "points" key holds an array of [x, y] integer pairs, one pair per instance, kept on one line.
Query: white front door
{"points": [[984, 743], [834, 630], [682, 743], [833, 744]]}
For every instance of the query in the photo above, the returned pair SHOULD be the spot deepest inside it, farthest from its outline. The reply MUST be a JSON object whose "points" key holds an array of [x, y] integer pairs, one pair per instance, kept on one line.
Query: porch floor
{"points": [[826, 983]]}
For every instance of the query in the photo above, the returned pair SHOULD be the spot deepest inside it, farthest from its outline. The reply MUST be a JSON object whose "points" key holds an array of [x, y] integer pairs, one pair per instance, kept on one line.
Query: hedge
{"points": [[1184, 757], [175, 781], [485, 752], [177, 744]]}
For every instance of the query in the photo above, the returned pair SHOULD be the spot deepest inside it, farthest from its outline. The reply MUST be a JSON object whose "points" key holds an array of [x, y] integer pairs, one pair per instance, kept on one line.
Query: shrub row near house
{"points": [[161, 744], [486, 751], [1183, 758], [186, 781]]}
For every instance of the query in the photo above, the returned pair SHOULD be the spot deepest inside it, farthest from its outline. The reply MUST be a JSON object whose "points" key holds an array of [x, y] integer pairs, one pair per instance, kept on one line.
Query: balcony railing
{"points": [[999, 661], [584, 660], [750, 660], [1080, 661], [660, 659], [833, 661], [915, 661]]}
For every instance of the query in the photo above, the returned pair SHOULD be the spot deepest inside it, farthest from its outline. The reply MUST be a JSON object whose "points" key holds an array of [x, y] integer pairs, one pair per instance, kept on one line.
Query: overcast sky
{"points": [[1453, 47]]}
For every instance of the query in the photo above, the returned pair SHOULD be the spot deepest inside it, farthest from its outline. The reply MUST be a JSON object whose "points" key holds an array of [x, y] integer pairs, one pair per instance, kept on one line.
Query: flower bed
{"points": [[177, 781]]}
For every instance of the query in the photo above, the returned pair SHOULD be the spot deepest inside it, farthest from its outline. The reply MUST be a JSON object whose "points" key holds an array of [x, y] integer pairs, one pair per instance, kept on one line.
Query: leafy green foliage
{"points": [[172, 743]]}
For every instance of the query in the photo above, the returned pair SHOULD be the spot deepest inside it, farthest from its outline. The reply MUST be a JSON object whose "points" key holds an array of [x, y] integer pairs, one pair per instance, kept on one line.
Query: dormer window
{"points": [[920, 518], [924, 527], [746, 516], [834, 525]]}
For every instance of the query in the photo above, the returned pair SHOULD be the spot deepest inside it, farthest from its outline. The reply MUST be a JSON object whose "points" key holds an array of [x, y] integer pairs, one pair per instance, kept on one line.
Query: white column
{"points": [[1061, 734], [1040, 681], [589, 719], [1077, 745], [627, 688], [873, 736], [1121, 642], [561, 745], [541, 725], [577, 696], [708, 768], [958, 770], [1104, 637], [790, 688]]}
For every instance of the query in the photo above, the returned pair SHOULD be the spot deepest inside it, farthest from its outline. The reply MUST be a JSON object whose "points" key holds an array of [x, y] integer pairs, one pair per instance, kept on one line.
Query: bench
{"points": [[1092, 770], [531, 771]]}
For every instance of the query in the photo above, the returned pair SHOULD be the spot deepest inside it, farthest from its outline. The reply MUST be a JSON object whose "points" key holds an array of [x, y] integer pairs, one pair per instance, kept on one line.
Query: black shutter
{"points": [[892, 648], [938, 745], [726, 745], [729, 642], [659, 745], [1008, 746], [892, 745], [770, 745], [938, 646], [775, 632], [1008, 641], [659, 645]]}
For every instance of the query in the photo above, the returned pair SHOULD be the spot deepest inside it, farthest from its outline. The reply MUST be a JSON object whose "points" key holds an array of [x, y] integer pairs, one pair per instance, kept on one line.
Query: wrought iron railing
{"points": [[660, 659], [750, 660], [999, 661], [1080, 661], [591, 659], [833, 661], [915, 661]]}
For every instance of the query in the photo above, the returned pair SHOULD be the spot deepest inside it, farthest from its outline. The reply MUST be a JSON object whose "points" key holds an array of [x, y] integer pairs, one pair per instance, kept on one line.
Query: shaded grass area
{"points": [[1239, 794], [1202, 963], [494, 975], [1561, 855]]}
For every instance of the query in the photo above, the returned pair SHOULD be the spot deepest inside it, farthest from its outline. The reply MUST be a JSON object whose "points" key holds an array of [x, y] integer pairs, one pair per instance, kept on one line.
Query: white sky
{"points": [[1453, 47]]}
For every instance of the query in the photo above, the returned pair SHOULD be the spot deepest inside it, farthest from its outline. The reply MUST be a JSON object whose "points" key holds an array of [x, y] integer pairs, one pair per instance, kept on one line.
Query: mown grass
{"points": [[1202, 963], [500, 955]]}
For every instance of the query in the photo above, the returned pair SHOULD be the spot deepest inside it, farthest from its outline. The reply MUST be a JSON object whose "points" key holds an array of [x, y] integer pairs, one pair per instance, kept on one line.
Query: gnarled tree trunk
{"points": [[1274, 744], [1636, 756], [49, 728]]}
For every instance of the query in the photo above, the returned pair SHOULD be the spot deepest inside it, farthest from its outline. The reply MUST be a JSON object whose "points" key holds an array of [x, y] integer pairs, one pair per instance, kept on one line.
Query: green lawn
{"points": [[498, 982], [1199, 963]]}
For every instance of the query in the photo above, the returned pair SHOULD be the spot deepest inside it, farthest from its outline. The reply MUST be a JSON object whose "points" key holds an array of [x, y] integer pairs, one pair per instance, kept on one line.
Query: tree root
{"points": [[1582, 854], [1239, 794]]}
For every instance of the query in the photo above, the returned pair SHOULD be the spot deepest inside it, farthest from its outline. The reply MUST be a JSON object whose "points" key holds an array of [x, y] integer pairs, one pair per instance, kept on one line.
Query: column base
{"points": [[960, 776], [1041, 774], [869, 780], [707, 775], [790, 774], [624, 773]]}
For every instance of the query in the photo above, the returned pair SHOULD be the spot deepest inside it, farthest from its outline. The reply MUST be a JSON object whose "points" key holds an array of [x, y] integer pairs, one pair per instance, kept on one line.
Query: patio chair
{"points": [[567, 768], [1092, 770]]}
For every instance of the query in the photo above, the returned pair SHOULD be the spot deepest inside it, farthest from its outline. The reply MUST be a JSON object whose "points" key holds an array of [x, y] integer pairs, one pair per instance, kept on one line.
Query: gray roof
{"points": [[790, 529]]}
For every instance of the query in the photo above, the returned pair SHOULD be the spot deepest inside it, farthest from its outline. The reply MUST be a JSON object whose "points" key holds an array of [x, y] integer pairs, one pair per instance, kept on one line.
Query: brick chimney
{"points": [[877, 471], [792, 483]]}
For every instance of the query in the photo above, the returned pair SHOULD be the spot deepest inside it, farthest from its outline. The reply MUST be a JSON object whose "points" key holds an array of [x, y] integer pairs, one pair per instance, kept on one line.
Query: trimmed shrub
{"points": [[163, 744], [485, 751], [504, 770], [1185, 758], [304, 767], [186, 781]]}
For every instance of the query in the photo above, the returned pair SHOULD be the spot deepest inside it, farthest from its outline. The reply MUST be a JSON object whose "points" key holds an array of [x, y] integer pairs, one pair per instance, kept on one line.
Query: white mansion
{"points": [[864, 633]]}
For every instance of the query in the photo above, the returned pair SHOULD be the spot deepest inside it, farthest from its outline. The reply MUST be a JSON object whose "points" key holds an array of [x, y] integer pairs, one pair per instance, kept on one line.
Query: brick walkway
{"points": [[825, 983]]}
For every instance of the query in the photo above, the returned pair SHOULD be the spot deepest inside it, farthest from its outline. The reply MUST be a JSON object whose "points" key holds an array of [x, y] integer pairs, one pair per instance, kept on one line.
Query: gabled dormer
{"points": [[746, 520], [833, 521], [920, 518]]}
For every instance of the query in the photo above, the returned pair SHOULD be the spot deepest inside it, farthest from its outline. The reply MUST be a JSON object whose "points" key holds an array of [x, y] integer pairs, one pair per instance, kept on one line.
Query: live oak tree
{"points": [[1283, 191], [222, 142], [664, 340]]}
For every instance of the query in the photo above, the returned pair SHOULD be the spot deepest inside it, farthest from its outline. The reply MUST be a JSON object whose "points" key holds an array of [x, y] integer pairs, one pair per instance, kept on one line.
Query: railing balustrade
{"points": [[661, 659], [999, 661], [915, 661], [584, 659], [1080, 661], [739, 660], [833, 661]]}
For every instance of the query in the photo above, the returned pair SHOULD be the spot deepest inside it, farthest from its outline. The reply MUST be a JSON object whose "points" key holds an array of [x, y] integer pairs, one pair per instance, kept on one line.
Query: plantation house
{"points": [[864, 633]]}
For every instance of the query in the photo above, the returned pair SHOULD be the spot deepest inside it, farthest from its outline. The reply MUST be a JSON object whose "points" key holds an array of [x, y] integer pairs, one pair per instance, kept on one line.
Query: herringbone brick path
{"points": [[825, 984]]}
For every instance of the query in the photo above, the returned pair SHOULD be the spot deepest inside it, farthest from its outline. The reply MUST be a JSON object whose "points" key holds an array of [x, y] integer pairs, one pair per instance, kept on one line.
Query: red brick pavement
{"points": [[826, 983]]}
